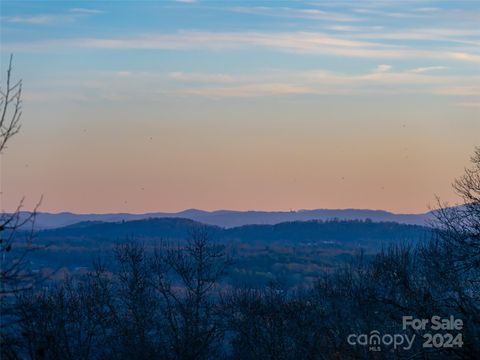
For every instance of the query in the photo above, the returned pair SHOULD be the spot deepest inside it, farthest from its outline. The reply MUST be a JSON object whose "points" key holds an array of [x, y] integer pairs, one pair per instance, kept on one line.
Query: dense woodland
{"points": [[171, 301], [291, 254]]}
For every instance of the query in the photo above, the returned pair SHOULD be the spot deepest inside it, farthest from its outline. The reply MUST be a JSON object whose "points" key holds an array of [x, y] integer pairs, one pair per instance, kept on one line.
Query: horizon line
{"points": [[225, 210]]}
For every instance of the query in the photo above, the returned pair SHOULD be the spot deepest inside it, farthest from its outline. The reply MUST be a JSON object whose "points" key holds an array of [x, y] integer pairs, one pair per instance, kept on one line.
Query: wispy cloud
{"points": [[351, 28], [52, 19], [383, 75], [298, 42], [200, 77], [452, 35], [427, 69], [391, 13], [384, 68], [250, 90], [86, 11], [382, 80], [313, 14], [37, 19], [325, 82]]}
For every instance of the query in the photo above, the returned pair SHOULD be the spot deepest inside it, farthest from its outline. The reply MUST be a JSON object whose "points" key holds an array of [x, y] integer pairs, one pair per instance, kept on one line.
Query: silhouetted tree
{"points": [[153, 305], [186, 279], [15, 275]]}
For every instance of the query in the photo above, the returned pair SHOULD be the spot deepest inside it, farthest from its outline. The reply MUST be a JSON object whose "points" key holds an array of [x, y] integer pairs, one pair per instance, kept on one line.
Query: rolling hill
{"points": [[231, 218]]}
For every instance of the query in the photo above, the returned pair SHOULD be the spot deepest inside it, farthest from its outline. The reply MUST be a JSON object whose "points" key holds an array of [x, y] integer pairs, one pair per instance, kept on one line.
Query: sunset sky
{"points": [[168, 105]]}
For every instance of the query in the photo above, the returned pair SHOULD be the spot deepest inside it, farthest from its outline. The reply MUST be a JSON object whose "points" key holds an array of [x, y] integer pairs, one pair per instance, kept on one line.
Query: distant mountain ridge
{"points": [[258, 247], [343, 231], [233, 218]]}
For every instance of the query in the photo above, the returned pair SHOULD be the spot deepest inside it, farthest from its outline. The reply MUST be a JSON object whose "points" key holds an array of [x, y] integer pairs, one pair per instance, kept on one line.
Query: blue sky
{"points": [[342, 38], [277, 100], [407, 33]]}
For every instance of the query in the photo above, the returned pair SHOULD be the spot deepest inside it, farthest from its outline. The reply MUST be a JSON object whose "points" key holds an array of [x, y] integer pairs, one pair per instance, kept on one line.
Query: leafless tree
{"points": [[459, 226], [15, 276], [186, 278], [10, 107], [453, 256], [135, 306]]}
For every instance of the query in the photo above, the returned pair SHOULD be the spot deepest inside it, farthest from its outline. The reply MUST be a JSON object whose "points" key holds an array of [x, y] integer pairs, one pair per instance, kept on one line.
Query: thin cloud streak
{"points": [[422, 70], [38, 19], [460, 36], [313, 14], [298, 42], [382, 80], [251, 90], [86, 11], [199, 77], [52, 19]]}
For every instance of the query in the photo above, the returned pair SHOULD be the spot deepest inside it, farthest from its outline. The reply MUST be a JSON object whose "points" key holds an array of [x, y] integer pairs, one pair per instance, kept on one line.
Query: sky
{"points": [[132, 106]]}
